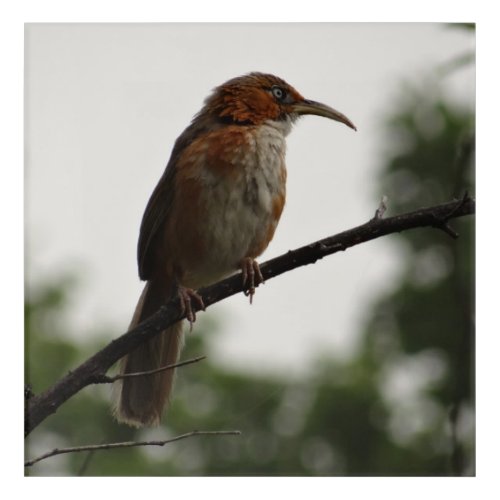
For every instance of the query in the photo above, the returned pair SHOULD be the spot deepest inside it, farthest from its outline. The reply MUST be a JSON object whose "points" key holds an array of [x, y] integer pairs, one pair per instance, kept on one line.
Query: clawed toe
{"points": [[252, 276], [186, 296]]}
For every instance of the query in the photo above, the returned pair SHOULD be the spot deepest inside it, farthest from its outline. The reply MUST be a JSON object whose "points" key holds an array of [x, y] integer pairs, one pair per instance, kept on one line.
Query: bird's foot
{"points": [[186, 296], [252, 276]]}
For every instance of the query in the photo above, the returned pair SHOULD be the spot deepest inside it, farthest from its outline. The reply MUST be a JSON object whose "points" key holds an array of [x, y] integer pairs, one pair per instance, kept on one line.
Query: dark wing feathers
{"points": [[153, 221], [158, 207]]}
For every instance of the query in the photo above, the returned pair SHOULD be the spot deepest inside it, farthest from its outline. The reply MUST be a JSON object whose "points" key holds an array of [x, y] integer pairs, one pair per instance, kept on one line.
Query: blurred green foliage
{"points": [[404, 403], [429, 315]]}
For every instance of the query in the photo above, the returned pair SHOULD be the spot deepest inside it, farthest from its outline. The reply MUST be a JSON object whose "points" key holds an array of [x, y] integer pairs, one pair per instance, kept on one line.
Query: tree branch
{"points": [[40, 406], [127, 444]]}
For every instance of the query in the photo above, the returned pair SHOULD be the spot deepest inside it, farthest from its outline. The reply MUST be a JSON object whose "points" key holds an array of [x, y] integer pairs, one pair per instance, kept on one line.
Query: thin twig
{"points": [[127, 444], [86, 462], [104, 379]]}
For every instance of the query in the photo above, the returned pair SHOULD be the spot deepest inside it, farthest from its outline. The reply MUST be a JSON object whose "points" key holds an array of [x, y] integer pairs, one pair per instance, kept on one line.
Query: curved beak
{"points": [[307, 107]]}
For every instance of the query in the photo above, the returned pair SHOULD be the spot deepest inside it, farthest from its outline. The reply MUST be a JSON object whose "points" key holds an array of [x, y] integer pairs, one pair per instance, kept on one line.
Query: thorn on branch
{"points": [[444, 226]]}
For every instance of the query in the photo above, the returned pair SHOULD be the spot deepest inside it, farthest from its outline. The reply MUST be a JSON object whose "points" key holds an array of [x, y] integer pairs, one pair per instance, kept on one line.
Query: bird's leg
{"points": [[186, 295], [252, 276]]}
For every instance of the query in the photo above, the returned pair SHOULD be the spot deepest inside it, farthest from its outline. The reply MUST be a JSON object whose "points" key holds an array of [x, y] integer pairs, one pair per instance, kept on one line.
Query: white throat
{"points": [[284, 127]]}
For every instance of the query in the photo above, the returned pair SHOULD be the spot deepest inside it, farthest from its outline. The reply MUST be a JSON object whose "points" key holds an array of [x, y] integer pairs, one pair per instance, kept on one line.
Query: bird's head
{"points": [[257, 98]]}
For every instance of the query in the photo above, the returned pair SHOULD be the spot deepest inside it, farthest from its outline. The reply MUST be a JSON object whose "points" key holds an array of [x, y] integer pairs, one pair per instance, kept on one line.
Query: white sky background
{"points": [[104, 105]]}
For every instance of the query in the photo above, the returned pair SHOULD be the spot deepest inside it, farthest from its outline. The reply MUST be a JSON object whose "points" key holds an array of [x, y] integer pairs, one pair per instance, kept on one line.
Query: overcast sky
{"points": [[104, 105]]}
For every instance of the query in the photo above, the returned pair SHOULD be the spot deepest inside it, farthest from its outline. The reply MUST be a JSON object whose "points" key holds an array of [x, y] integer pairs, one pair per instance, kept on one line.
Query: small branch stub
{"points": [[379, 213]]}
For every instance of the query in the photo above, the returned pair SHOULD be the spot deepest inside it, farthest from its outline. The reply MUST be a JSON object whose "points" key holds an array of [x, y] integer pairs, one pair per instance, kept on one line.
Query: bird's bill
{"points": [[307, 107]]}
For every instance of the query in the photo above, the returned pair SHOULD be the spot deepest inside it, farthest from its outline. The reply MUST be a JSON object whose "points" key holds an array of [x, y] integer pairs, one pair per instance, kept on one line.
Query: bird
{"points": [[213, 212]]}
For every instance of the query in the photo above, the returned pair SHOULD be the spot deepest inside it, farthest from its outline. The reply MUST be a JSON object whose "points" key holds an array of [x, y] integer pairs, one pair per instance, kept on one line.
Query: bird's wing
{"points": [[159, 205], [153, 222]]}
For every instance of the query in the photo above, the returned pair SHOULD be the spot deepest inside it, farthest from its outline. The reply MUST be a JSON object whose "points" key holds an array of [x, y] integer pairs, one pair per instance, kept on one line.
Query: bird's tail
{"points": [[140, 400]]}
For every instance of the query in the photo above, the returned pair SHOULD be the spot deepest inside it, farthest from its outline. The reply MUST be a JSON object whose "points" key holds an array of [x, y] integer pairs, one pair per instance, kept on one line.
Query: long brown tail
{"points": [[140, 400]]}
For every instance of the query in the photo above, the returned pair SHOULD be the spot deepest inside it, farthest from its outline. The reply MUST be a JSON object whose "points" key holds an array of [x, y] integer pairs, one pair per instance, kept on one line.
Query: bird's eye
{"points": [[278, 93]]}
